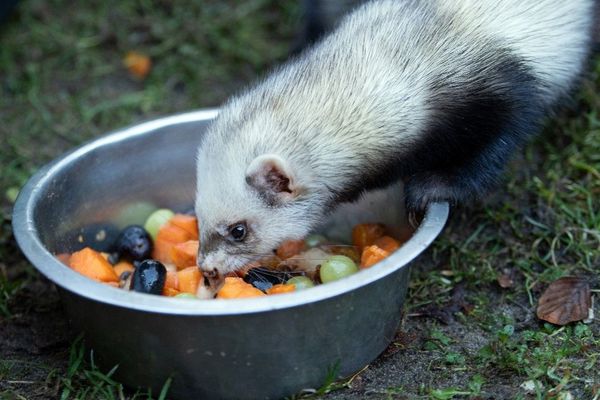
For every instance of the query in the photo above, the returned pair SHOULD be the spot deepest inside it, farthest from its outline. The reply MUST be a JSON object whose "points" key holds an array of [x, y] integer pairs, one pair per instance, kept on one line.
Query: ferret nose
{"points": [[210, 273]]}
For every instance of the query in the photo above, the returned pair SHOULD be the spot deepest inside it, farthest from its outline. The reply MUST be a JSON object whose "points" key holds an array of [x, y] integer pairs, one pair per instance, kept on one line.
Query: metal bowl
{"points": [[256, 348]]}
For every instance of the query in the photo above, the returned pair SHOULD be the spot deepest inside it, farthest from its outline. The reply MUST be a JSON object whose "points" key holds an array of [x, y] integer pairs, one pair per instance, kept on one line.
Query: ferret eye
{"points": [[238, 232]]}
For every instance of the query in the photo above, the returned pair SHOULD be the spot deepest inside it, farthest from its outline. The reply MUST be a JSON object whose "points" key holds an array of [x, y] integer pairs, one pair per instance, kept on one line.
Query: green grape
{"points": [[157, 219], [337, 267], [301, 282]]}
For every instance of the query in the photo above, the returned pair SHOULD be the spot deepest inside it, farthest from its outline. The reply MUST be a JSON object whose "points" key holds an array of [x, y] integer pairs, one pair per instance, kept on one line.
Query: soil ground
{"points": [[62, 82]]}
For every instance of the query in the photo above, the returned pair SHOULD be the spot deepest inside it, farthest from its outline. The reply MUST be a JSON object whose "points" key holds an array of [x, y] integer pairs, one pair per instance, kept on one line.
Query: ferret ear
{"points": [[273, 178]]}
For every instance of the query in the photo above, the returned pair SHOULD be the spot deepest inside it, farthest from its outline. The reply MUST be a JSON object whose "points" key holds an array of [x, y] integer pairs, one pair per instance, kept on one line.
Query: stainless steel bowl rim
{"points": [[31, 245]]}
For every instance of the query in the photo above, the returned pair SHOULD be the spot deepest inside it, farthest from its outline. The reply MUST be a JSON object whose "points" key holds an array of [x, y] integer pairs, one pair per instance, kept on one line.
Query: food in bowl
{"points": [[159, 256]]}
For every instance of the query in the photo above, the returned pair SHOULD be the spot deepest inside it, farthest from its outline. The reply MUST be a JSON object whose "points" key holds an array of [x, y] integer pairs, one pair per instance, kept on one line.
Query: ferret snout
{"points": [[210, 273]]}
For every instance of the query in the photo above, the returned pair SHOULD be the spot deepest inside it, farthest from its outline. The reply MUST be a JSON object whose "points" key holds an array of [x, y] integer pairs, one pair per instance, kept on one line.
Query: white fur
{"points": [[355, 95]]}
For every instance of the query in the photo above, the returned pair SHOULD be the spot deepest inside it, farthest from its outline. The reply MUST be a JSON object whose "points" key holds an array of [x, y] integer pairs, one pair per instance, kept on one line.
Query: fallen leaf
{"points": [[137, 64], [566, 300]]}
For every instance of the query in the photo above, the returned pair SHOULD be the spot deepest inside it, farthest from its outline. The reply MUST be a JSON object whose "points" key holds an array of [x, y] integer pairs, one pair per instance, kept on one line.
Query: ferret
{"points": [[437, 94]]}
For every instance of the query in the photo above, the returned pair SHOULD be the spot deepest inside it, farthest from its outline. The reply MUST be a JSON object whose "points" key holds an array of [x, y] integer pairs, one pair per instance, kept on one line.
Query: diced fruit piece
{"points": [[156, 220], [315, 240], [162, 251], [281, 288], [186, 296], [365, 234], [172, 281], [372, 255], [134, 214], [237, 288], [301, 282], [184, 254], [123, 266], [188, 223], [172, 233], [134, 243], [290, 248], [91, 264], [149, 277], [387, 243], [170, 292], [189, 279], [168, 235], [337, 267]]}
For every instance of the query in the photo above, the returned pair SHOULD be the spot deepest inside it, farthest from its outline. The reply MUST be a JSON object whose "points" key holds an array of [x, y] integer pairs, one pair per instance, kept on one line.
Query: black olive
{"points": [[149, 277], [264, 278], [134, 243]]}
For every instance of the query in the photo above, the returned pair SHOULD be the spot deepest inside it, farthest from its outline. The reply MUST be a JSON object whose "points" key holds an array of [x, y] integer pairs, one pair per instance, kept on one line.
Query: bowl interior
{"points": [[154, 163]]}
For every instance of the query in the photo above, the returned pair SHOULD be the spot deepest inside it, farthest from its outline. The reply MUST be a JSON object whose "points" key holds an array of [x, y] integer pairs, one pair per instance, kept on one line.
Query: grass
{"points": [[62, 82], [84, 380]]}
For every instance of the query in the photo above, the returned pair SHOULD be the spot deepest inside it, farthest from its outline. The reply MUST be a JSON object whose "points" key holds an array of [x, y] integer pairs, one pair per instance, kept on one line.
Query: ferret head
{"points": [[246, 203]]}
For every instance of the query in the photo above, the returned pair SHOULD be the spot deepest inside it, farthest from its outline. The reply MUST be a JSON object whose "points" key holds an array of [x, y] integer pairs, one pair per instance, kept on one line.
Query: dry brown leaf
{"points": [[566, 300]]}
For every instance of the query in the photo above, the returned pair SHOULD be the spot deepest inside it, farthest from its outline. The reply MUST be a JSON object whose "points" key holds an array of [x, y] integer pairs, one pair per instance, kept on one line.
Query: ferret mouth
{"points": [[214, 277]]}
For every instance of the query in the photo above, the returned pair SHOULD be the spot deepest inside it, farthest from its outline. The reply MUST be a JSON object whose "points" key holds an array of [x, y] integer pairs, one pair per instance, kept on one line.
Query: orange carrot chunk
{"points": [[364, 235], [281, 288], [371, 255], [170, 292], [123, 266], [387, 243], [184, 254], [91, 264], [172, 280], [234, 288], [290, 248], [189, 279], [186, 222], [169, 235], [161, 251]]}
